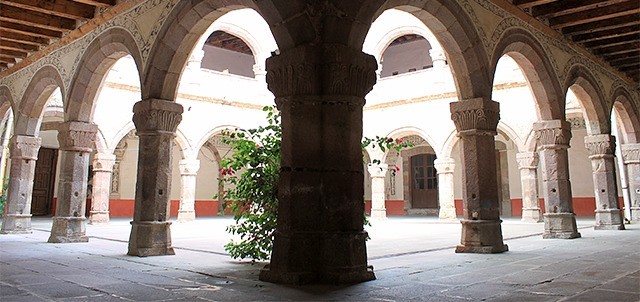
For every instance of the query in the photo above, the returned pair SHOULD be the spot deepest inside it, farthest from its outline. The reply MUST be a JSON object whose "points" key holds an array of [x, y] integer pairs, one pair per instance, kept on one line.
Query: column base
{"points": [[186, 216], [378, 214], [16, 224], [447, 214], [150, 238], [531, 215], [635, 213], [482, 237], [68, 230], [608, 220], [99, 217], [560, 226]]}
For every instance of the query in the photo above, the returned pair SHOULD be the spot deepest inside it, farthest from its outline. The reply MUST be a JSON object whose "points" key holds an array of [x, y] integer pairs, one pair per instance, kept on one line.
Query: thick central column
{"points": [[601, 149], [528, 165], [320, 93], [553, 141], [476, 121], [17, 215], [102, 169], [445, 167], [378, 173], [188, 171], [76, 141], [631, 159], [156, 123]]}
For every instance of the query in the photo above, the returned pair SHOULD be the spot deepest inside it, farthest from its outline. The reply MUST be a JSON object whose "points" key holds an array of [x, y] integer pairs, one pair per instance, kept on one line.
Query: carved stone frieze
{"points": [[527, 160], [630, 153], [77, 136], [25, 147], [600, 144], [577, 123], [553, 133], [157, 115], [476, 115]]}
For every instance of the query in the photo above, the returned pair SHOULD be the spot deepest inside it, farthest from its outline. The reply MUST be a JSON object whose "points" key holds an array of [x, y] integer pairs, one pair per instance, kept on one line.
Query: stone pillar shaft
{"points": [[631, 159], [76, 143], [601, 149], [320, 93], [378, 173], [445, 167], [102, 168], [188, 172], [476, 121], [528, 165], [503, 184], [156, 123], [24, 153], [553, 141]]}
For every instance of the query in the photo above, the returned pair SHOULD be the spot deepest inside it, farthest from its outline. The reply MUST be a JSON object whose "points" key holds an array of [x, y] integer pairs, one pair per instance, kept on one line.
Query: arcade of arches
{"points": [[122, 119]]}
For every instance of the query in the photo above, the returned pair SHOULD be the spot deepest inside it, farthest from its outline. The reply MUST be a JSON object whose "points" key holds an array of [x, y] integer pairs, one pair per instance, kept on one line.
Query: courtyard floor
{"points": [[413, 259]]}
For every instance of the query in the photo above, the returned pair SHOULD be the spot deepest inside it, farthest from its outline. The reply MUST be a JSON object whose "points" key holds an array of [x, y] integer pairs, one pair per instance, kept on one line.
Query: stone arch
{"points": [[449, 144], [6, 100], [591, 97], [629, 115], [101, 143], [96, 62], [508, 132], [188, 152], [122, 133], [528, 53], [406, 131], [42, 85], [211, 133]]}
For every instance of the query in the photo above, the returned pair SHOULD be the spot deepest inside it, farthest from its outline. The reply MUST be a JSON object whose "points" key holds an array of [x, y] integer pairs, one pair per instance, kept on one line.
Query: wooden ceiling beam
{"points": [[38, 19], [522, 4], [606, 34], [7, 60], [621, 21], [565, 7], [4, 65], [98, 3], [12, 53], [62, 8], [596, 14], [6, 44], [617, 49], [615, 58], [30, 30], [613, 41], [625, 60], [629, 68], [22, 38]]}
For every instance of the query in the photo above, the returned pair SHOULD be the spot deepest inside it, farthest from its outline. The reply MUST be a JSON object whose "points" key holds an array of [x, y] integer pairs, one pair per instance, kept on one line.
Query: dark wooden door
{"points": [[424, 182], [44, 181]]}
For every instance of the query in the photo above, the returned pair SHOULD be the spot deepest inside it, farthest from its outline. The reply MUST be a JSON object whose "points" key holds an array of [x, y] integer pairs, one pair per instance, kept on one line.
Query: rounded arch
{"points": [[188, 152], [122, 133], [629, 116], [511, 134], [211, 133], [101, 143], [43, 83], [96, 62], [6, 100], [543, 82], [407, 131], [590, 95]]}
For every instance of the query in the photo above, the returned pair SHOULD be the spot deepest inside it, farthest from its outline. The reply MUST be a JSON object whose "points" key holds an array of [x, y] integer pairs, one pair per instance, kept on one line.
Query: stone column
{"points": [[320, 93], [378, 173], [102, 168], [188, 171], [476, 121], [601, 149], [438, 57], [156, 122], [631, 158], [76, 141], [502, 163], [445, 167], [553, 138], [528, 165], [17, 215]]}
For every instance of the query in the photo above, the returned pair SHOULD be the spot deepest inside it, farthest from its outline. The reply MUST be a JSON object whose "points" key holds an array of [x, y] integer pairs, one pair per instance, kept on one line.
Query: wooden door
{"points": [[44, 181], [424, 182]]}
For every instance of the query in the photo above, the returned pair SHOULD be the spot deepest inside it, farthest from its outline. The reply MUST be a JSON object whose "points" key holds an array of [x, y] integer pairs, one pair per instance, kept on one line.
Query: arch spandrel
{"points": [[590, 95]]}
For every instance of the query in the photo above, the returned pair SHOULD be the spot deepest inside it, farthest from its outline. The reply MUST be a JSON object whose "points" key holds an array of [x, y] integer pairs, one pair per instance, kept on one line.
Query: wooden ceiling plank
{"points": [[61, 8], [38, 19], [566, 7], [629, 68], [17, 46], [627, 20], [625, 59], [622, 48], [13, 53], [596, 14], [22, 38], [613, 41], [30, 30], [7, 60], [606, 34], [522, 4], [615, 58], [98, 3]]}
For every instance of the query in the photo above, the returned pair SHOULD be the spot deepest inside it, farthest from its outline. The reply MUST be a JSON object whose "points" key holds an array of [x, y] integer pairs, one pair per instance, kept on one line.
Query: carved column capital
{"points": [[630, 153], [189, 166], [77, 136], [444, 165], [24, 147], [156, 116], [552, 134], [475, 116], [600, 145], [527, 160], [330, 69], [103, 162], [378, 170]]}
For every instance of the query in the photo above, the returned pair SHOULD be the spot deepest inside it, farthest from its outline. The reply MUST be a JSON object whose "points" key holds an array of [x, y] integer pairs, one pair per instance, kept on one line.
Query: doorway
{"points": [[44, 181]]}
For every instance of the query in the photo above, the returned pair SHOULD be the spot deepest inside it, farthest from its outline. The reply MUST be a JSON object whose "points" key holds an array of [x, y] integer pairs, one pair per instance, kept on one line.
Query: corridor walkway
{"points": [[413, 260]]}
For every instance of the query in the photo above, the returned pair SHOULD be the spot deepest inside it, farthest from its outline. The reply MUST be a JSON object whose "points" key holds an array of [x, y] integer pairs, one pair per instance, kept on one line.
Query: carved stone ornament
{"points": [[444, 165], [600, 144], [25, 147], [553, 133], [189, 166], [477, 115], [630, 153], [527, 160], [156, 115], [77, 136], [103, 162], [378, 170], [332, 70]]}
